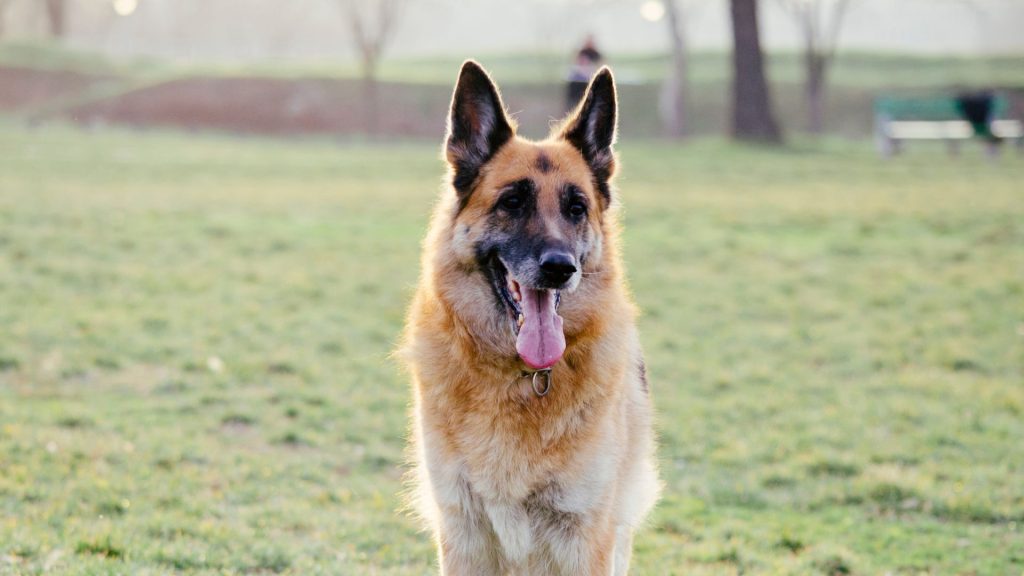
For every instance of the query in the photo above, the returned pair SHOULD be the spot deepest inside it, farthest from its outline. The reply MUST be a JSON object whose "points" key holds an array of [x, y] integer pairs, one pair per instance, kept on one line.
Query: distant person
{"points": [[979, 109], [588, 60]]}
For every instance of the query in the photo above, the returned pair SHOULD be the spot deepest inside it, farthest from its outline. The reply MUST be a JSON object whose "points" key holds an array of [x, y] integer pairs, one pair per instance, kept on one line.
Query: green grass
{"points": [[194, 371]]}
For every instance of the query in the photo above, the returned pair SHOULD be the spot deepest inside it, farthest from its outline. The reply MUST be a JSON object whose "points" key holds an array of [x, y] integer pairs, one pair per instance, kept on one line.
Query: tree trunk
{"points": [[814, 90], [676, 90], [752, 116], [371, 93], [56, 17]]}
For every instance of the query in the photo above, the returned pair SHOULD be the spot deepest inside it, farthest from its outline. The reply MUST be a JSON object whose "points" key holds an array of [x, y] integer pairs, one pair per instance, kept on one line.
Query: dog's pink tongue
{"points": [[541, 342]]}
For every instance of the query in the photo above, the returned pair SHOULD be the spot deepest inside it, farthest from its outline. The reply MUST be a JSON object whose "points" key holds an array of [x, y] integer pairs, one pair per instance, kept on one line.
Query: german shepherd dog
{"points": [[532, 420]]}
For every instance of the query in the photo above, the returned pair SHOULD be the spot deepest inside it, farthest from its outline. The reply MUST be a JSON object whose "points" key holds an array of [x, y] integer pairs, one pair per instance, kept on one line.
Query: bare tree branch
{"points": [[373, 24], [820, 23], [56, 15], [371, 33], [832, 39], [675, 91]]}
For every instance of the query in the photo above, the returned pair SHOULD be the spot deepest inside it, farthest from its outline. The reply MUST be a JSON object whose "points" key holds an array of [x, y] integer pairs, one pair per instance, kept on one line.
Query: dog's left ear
{"points": [[591, 129], [477, 127]]}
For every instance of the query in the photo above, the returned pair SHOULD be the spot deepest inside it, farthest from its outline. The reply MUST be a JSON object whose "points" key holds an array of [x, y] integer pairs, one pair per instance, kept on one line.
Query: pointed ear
{"points": [[477, 127], [591, 129]]}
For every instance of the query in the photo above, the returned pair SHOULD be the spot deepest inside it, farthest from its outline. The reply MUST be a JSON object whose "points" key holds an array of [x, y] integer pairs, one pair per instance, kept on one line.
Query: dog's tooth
{"points": [[520, 319]]}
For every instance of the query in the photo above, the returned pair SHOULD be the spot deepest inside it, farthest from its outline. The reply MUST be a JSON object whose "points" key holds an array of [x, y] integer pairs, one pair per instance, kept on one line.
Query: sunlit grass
{"points": [[194, 371]]}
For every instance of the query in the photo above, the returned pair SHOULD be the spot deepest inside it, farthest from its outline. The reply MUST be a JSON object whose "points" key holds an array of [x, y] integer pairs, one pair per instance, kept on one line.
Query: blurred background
{"points": [[265, 66], [210, 217]]}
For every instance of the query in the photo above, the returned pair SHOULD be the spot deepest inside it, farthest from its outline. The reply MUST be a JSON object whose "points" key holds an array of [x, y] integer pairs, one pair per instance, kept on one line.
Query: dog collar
{"points": [[540, 380]]}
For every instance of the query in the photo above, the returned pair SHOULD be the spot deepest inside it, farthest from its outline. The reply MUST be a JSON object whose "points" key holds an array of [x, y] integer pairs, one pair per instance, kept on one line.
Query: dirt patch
{"points": [[25, 88], [341, 106], [285, 106], [288, 106], [280, 106], [268, 106]]}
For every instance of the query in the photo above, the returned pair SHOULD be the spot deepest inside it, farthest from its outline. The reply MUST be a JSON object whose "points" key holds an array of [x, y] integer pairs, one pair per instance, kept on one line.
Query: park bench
{"points": [[947, 118]]}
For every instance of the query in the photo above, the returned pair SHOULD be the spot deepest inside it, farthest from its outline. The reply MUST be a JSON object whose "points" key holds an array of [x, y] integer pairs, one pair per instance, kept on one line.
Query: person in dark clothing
{"points": [[978, 108], [587, 62]]}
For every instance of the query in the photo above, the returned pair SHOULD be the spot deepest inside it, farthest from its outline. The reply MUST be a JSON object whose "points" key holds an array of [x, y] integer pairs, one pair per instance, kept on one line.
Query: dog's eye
{"points": [[512, 202], [577, 209]]}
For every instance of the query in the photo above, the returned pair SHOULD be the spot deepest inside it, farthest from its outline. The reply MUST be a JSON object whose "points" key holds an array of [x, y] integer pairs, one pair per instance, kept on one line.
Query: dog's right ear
{"points": [[477, 127]]}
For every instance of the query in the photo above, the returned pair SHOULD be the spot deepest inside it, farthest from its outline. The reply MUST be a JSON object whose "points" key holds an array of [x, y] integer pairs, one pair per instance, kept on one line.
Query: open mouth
{"points": [[540, 340]]}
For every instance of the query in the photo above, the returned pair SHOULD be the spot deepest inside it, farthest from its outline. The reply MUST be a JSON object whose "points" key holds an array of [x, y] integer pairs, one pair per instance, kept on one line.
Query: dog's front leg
{"points": [[587, 551], [466, 544], [623, 549], [601, 553]]}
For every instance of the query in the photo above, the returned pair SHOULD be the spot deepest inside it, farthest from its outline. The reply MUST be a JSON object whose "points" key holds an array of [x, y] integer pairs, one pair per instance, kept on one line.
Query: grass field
{"points": [[194, 340]]}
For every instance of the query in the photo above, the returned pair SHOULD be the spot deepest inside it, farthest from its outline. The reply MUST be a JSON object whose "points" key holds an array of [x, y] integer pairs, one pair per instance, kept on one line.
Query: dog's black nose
{"points": [[557, 267]]}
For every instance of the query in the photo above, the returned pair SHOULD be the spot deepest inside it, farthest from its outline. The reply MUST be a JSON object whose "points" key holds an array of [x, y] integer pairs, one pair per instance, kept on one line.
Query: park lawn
{"points": [[195, 375]]}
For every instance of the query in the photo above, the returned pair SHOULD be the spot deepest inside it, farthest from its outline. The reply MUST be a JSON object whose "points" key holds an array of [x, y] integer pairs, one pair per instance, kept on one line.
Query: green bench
{"points": [[899, 119]]}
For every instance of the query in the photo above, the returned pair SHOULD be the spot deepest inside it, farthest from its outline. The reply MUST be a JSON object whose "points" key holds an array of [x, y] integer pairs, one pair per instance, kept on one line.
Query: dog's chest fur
{"points": [[532, 509]]}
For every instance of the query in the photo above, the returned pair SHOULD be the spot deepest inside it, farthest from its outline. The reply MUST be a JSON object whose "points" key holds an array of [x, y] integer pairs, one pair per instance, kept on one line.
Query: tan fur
{"points": [[508, 481]]}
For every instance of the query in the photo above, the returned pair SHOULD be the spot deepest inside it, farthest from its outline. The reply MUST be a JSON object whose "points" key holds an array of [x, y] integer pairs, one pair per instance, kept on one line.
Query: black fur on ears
{"points": [[591, 129], [477, 127]]}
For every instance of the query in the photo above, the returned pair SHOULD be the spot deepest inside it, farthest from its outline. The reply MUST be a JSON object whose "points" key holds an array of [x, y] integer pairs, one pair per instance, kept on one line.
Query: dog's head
{"points": [[528, 214]]}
